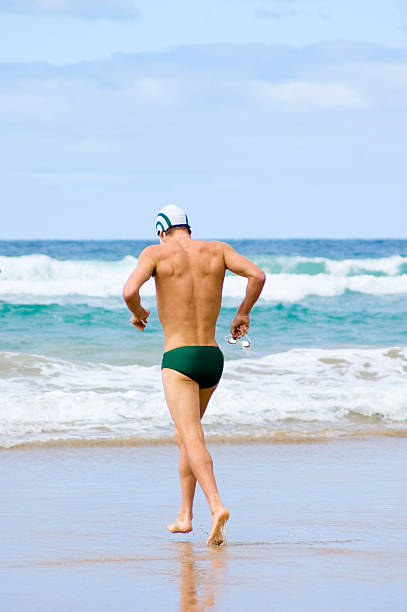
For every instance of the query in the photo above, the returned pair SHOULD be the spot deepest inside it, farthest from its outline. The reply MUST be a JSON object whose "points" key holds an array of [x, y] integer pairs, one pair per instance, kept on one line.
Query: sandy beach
{"points": [[313, 526]]}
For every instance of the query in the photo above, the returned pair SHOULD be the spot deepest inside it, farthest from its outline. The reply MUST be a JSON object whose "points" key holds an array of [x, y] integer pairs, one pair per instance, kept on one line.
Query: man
{"points": [[189, 278]]}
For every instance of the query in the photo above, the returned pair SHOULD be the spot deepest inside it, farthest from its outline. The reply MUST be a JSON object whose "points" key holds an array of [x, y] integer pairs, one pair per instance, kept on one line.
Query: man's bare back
{"points": [[189, 277]]}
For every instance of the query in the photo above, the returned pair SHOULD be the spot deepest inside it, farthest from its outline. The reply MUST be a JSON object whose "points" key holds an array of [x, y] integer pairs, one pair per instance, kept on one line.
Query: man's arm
{"points": [[256, 278], [144, 270]]}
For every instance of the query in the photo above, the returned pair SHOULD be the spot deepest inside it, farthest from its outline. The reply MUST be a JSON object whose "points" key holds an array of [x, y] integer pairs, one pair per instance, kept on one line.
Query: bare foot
{"points": [[217, 536], [180, 526]]}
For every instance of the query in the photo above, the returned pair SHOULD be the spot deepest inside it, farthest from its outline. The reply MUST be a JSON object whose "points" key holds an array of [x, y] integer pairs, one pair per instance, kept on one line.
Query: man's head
{"points": [[170, 218]]}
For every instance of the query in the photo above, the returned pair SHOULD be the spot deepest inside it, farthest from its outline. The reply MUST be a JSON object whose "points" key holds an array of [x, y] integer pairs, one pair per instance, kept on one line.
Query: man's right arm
{"points": [[144, 270], [256, 278]]}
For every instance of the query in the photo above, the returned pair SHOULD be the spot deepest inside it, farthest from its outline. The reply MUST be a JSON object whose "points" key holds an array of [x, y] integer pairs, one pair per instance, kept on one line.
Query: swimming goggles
{"points": [[244, 341]]}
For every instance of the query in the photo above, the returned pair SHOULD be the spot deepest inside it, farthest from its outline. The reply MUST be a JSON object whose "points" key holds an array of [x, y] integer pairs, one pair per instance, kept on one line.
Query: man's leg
{"points": [[182, 395], [183, 523]]}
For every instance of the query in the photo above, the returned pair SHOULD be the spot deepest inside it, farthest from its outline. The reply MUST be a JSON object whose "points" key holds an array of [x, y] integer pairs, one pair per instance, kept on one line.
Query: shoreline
{"points": [[293, 437]]}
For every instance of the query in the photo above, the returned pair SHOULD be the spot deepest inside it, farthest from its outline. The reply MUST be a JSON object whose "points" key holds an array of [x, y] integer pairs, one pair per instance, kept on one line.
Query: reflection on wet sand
{"points": [[201, 574]]}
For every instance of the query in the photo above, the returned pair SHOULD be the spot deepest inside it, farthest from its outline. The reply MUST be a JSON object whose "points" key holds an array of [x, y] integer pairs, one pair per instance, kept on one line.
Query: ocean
{"points": [[328, 357]]}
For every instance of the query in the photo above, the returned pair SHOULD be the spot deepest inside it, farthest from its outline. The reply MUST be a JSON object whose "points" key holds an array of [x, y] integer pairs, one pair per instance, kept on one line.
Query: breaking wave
{"points": [[298, 395], [288, 278]]}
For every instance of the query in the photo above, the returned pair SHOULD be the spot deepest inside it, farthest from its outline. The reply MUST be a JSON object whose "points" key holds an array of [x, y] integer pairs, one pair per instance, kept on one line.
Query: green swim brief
{"points": [[204, 364]]}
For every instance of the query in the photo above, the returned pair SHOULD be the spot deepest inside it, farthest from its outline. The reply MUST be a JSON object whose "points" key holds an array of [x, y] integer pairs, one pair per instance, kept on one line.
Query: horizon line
{"points": [[200, 238]]}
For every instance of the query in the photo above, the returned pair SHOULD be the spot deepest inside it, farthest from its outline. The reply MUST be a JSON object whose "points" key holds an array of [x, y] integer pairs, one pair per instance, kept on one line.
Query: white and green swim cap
{"points": [[171, 216]]}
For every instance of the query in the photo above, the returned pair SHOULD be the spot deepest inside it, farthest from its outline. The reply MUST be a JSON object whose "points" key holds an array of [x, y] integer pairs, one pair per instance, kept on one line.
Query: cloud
{"points": [[126, 91], [302, 95], [81, 9], [203, 124]]}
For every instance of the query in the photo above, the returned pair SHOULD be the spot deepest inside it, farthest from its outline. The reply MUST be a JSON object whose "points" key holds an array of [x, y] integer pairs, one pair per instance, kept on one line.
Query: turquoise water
{"points": [[339, 303], [95, 327], [96, 333]]}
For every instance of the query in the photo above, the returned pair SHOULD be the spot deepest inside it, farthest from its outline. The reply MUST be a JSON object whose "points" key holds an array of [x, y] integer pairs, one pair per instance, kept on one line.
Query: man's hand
{"points": [[255, 281], [140, 320], [240, 326]]}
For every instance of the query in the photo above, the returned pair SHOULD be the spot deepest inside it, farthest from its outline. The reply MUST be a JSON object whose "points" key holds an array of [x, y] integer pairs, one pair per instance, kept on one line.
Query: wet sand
{"points": [[317, 526]]}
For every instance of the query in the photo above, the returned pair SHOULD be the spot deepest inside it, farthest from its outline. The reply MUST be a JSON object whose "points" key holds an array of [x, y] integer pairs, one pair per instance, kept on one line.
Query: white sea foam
{"points": [[42, 278], [47, 399], [295, 287], [298, 264], [391, 266]]}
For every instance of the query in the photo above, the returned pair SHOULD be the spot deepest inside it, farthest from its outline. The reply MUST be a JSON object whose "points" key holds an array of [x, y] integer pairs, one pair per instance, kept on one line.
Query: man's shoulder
{"points": [[220, 247], [150, 251]]}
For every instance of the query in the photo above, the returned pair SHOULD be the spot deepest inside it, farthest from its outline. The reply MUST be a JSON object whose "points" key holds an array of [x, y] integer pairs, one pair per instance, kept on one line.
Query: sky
{"points": [[261, 118]]}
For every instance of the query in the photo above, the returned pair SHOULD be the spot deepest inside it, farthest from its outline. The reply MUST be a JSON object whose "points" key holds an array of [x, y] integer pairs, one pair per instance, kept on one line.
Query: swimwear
{"points": [[204, 364]]}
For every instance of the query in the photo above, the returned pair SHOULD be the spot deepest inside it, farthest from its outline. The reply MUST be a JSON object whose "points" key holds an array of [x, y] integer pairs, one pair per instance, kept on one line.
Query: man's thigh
{"points": [[204, 397], [182, 396]]}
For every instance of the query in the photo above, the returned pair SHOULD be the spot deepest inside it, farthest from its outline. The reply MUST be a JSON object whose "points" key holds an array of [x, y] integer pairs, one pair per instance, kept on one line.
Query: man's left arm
{"points": [[131, 290]]}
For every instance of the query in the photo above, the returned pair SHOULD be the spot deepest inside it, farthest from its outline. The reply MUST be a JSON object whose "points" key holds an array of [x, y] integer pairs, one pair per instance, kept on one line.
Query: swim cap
{"points": [[171, 216]]}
